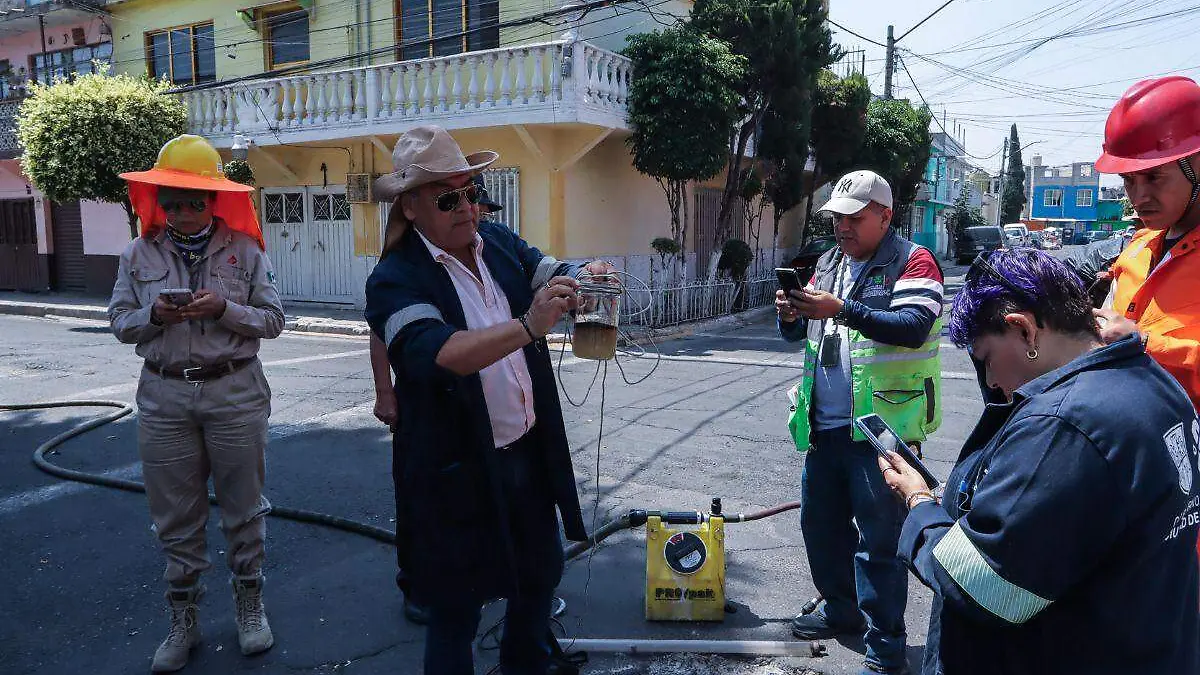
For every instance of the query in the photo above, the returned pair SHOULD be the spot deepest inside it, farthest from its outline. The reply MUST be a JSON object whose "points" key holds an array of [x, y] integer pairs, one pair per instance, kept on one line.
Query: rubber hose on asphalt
{"points": [[124, 409]]}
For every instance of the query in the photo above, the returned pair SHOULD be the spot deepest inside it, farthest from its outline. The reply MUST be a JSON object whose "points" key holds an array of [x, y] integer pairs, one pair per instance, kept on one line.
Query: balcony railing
{"points": [[550, 82]]}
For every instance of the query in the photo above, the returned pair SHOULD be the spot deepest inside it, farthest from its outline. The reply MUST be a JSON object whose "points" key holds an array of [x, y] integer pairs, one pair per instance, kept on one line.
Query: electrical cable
{"points": [[513, 23]]}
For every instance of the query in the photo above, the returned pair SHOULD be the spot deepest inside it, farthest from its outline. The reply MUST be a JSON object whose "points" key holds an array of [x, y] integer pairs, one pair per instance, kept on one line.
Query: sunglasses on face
{"points": [[448, 201], [196, 205], [981, 266]]}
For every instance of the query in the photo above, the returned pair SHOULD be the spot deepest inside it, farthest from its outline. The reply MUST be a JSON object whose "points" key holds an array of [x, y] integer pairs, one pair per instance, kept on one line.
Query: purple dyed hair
{"points": [[1050, 290]]}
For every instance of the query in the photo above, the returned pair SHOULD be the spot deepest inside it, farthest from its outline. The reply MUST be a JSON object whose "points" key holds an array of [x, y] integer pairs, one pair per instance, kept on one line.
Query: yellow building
{"points": [[551, 99]]}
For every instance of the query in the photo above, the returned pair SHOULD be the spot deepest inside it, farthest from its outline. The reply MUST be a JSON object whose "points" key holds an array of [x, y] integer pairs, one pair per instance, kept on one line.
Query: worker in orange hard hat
{"points": [[1152, 139], [196, 294]]}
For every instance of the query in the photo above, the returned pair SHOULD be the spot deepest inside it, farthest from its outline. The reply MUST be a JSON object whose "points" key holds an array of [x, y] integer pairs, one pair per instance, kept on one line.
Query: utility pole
{"points": [[1000, 194], [890, 63], [45, 61]]}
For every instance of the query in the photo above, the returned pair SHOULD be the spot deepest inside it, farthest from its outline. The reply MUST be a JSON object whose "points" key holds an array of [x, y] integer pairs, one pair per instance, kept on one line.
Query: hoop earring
{"points": [[1032, 354]]}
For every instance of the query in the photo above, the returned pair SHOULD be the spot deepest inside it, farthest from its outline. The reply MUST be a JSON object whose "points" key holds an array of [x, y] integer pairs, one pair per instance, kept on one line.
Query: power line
{"points": [[857, 35], [931, 15], [514, 23]]}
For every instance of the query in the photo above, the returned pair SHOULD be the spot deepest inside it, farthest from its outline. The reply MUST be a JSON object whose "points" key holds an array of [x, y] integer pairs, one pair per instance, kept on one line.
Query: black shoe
{"points": [[874, 669], [415, 613], [816, 627]]}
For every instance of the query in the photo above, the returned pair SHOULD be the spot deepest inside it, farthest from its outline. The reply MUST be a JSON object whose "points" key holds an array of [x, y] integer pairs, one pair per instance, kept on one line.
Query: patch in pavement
{"points": [[699, 664]]}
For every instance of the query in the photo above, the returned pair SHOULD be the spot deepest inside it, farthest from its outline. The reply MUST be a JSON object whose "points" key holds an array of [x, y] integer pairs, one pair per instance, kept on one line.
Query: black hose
{"points": [[634, 518], [124, 409]]}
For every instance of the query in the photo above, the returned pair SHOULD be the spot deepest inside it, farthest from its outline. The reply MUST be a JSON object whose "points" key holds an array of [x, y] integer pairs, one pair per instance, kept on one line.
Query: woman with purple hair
{"points": [[1064, 542]]}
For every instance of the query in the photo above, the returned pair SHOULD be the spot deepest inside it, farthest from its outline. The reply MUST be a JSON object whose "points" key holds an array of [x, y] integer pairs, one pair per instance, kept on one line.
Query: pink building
{"points": [[43, 245]]}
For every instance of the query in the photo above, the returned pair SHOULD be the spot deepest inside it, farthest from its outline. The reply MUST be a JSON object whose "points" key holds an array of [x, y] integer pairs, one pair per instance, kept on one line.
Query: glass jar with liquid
{"points": [[596, 320]]}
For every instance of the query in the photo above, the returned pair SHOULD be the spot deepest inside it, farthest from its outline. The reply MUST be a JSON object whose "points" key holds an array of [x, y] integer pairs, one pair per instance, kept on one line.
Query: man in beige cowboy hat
{"points": [[463, 308]]}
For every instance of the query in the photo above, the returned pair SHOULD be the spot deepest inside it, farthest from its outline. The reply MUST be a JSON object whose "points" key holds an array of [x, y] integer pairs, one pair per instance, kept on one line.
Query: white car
{"points": [[1018, 234]]}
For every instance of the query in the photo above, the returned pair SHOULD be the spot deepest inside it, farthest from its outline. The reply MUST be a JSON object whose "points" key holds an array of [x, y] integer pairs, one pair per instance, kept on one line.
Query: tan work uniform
{"points": [[189, 430]]}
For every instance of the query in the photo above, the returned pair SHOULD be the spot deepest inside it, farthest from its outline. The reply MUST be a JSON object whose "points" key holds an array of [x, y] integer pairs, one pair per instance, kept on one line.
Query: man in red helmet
{"points": [[1152, 139]]}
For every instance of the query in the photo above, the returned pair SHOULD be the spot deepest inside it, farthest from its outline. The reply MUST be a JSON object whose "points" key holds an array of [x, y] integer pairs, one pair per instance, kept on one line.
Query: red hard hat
{"points": [[1155, 122]]}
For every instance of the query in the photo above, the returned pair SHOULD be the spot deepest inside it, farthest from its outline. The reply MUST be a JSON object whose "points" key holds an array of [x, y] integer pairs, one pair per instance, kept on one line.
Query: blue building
{"points": [[1063, 196], [946, 175]]}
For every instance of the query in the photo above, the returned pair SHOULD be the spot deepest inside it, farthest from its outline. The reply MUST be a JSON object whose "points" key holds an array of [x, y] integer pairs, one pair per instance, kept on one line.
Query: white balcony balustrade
{"points": [[553, 82]]}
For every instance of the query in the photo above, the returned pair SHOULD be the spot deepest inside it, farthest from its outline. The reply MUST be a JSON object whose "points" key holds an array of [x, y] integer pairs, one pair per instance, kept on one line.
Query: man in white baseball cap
{"points": [[869, 320]]}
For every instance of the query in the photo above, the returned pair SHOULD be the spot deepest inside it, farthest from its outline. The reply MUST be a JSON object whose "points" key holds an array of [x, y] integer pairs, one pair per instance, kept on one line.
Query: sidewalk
{"points": [[330, 321]]}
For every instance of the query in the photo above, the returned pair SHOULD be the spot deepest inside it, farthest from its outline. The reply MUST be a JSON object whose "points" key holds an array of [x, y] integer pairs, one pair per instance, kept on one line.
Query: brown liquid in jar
{"points": [[596, 341]]}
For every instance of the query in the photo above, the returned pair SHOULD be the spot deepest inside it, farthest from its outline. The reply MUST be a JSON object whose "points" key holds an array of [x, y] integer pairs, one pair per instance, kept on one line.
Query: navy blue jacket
{"points": [[1066, 540], [460, 535]]}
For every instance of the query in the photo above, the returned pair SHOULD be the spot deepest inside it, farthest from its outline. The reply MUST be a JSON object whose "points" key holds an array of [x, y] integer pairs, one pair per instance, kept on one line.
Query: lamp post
{"points": [[241, 147]]}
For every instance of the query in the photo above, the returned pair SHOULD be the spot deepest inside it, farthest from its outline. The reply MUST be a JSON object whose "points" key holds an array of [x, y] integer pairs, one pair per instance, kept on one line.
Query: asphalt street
{"points": [[84, 589]]}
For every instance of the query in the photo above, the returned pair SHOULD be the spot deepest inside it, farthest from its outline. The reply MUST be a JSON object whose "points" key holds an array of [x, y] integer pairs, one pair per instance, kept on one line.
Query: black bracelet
{"points": [[525, 325]]}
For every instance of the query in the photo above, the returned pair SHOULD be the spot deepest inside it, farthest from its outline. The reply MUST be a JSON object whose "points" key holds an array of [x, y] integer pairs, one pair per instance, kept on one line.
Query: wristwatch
{"points": [[841, 317]]}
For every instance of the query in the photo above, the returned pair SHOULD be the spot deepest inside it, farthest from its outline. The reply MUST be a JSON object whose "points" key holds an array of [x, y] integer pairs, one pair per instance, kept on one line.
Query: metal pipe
{"points": [[743, 647], [45, 61]]}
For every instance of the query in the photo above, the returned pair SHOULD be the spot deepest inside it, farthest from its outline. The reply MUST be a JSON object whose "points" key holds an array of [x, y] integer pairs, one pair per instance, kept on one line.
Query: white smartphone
{"points": [[177, 296]]}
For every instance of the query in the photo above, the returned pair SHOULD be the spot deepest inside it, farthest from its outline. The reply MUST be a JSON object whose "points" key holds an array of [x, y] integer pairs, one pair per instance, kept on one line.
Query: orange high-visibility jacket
{"points": [[1164, 302]]}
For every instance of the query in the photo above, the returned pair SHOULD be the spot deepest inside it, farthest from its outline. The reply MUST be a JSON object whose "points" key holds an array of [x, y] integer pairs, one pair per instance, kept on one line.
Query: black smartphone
{"points": [[885, 440], [789, 279]]}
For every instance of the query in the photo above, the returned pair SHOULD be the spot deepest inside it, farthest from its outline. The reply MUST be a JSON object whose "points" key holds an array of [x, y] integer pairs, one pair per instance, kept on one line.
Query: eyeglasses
{"points": [[981, 265], [448, 201], [196, 205]]}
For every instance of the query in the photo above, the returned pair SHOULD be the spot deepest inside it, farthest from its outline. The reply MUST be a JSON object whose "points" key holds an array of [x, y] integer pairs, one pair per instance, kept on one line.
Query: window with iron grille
{"points": [[504, 187], [66, 63], [183, 55], [444, 22]]}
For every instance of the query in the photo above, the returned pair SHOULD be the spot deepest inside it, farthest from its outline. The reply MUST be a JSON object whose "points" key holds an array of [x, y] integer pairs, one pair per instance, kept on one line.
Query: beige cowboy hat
{"points": [[424, 155]]}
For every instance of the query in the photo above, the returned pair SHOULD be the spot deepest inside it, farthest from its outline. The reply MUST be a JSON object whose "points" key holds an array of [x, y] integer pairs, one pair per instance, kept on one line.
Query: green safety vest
{"points": [[901, 385]]}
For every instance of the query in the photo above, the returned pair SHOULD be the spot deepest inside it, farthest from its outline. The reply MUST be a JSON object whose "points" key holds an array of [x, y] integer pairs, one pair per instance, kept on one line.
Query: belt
{"points": [[198, 374]]}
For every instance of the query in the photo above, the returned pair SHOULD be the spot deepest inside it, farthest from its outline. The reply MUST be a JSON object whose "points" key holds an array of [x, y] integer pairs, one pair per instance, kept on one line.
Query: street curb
{"points": [[46, 309], [307, 324]]}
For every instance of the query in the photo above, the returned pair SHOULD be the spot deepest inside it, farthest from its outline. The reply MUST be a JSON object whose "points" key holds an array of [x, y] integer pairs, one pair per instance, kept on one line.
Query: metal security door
{"points": [[20, 265], [285, 230], [330, 246]]}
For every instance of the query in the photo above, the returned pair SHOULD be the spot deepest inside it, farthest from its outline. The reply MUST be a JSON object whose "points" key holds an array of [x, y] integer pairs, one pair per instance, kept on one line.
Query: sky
{"points": [[1053, 67]]}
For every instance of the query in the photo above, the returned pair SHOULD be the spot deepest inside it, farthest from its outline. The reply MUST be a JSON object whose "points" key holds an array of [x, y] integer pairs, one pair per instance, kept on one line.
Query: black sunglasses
{"points": [[981, 265], [197, 205], [448, 201]]}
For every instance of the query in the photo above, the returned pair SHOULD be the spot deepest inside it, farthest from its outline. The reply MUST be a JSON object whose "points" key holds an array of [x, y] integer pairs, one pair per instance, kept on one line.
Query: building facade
{"points": [[946, 175], [319, 92], [44, 245], [1063, 196]]}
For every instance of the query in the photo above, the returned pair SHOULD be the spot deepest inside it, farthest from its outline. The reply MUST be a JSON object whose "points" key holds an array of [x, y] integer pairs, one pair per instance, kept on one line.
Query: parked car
{"points": [[1097, 235], [980, 239], [1051, 239], [805, 261], [1018, 234], [1036, 240]]}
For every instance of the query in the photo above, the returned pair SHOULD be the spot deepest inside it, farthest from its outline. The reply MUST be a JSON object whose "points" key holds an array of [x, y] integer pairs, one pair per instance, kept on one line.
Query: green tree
{"points": [[1127, 207], [839, 122], [896, 146], [1012, 202], [786, 44], [682, 103], [78, 135], [961, 216]]}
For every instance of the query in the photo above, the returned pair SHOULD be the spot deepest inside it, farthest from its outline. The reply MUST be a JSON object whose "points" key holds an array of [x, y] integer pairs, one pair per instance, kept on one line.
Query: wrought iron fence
{"points": [[682, 303]]}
